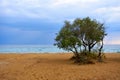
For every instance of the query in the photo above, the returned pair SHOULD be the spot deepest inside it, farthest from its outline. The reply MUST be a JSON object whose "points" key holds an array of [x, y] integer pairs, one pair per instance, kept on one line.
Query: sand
{"points": [[56, 67]]}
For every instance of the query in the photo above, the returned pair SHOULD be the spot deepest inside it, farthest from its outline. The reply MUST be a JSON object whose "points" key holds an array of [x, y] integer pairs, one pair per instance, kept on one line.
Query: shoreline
{"points": [[49, 52], [47, 49], [46, 66]]}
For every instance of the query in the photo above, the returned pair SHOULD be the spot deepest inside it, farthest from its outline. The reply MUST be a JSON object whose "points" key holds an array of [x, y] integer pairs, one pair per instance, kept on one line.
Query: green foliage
{"points": [[66, 39], [90, 58], [80, 37], [86, 59]]}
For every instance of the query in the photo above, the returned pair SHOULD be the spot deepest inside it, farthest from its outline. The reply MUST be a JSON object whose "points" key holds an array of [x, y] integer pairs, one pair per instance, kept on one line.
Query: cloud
{"points": [[24, 8], [33, 14], [112, 38], [51, 9], [112, 14], [59, 10], [66, 3]]}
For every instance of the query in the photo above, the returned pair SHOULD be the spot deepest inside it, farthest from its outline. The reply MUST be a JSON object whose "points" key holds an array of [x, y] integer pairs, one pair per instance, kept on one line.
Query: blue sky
{"points": [[35, 22]]}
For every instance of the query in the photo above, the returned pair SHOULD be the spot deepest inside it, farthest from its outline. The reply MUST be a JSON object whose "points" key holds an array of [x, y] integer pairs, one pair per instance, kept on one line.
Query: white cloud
{"points": [[111, 14], [41, 9], [112, 38], [113, 41], [22, 8], [81, 3], [59, 10]]}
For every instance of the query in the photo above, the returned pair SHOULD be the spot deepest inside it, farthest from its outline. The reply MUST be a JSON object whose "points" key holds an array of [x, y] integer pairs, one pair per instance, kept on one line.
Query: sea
{"points": [[47, 49]]}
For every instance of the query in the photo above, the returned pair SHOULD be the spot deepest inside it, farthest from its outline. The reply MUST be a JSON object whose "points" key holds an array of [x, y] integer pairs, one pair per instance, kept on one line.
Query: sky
{"points": [[36, 22]]}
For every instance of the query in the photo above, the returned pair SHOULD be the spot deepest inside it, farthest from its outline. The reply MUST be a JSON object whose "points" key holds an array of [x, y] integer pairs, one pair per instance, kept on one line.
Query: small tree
{"points": [[81, 36]]}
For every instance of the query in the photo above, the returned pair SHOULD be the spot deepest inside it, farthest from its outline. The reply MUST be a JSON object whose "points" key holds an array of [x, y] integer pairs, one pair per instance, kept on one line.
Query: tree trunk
{"points": [[99, 55], [100, 49], [89, 48], [85, 49]]}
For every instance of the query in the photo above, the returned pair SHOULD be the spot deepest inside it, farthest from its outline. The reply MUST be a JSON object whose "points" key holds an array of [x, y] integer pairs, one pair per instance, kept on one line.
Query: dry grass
{"points": [[56, 67]]}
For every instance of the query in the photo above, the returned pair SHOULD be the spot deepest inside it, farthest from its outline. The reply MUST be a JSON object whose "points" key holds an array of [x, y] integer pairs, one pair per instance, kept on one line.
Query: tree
{"points": [[67, 40], [81, 36]]}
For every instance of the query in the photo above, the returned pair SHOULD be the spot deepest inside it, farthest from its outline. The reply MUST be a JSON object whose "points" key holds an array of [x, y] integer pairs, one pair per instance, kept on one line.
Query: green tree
{"points": [[67, 40], [81, 36]]}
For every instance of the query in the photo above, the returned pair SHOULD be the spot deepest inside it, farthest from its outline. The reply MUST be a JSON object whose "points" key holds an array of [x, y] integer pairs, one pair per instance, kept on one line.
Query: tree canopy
{"points": [[81, 35]]}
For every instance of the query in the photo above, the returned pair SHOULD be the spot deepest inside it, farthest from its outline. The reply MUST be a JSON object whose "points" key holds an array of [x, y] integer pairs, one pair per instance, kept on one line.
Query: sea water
{"points": [[30, 49], [46, 49]]}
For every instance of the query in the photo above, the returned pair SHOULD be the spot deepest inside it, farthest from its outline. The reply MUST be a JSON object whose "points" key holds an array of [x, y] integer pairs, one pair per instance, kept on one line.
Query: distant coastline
{"points": [[109, 48]]}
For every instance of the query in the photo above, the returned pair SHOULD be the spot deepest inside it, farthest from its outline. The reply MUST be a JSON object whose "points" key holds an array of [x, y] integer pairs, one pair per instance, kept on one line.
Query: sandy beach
{"points": [[56, 67]]}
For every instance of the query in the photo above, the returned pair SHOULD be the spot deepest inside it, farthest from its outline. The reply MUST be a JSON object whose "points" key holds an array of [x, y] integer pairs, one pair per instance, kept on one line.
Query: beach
{"points": [[57, 66]]}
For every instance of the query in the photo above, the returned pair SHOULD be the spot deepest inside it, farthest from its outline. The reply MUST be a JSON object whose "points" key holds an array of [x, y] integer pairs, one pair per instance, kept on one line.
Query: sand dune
{"points": [[56, 67]]}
